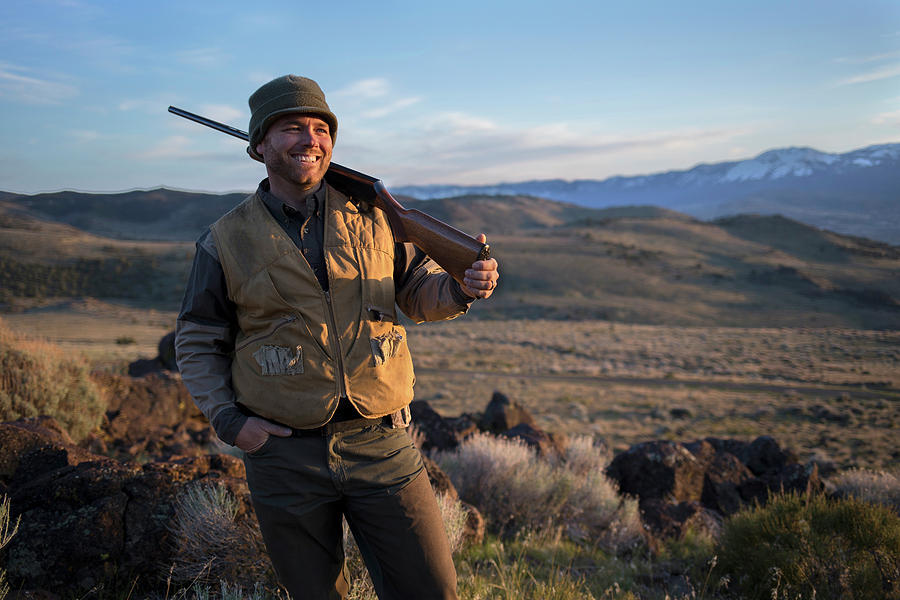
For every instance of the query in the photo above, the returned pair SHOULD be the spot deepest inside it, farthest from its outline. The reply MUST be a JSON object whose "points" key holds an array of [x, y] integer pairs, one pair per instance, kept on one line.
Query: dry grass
{"points": [[6, 534], [826, 392], [212, 544]]}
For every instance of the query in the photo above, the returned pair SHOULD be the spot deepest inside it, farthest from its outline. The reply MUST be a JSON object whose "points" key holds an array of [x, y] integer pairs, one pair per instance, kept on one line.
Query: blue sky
{"points": [[459, 92]]}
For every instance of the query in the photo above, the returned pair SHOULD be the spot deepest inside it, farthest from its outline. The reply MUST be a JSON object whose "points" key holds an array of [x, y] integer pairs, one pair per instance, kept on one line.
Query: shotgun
{"points": [[452, 249]]}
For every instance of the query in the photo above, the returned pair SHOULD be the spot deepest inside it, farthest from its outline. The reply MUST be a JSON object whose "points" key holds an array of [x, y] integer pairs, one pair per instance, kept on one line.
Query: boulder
{"points": [[719, 475], [152, 415], [440, 433], [503, 414], [721, 484], [661, 470], [545, 443], [673, 520]]}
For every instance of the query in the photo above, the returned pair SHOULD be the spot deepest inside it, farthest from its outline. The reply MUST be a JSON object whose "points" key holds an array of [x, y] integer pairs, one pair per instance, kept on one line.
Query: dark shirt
{"points": [[304, 225]]}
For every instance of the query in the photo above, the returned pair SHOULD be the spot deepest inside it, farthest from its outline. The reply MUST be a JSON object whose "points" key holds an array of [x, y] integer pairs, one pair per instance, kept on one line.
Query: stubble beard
{"points": [[287, 169]]}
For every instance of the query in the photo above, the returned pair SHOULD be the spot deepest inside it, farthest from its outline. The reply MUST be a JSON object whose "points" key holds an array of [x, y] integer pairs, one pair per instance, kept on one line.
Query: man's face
{"points": [[297, 151]]}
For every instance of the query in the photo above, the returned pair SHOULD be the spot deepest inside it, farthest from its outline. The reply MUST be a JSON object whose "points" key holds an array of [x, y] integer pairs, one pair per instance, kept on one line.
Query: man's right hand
{"points": [[256, 432]]}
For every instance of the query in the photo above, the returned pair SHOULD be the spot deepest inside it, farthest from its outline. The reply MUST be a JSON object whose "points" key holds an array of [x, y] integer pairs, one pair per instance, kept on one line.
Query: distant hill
{"points": [[857, 192], [158, 214], [638, 264]]}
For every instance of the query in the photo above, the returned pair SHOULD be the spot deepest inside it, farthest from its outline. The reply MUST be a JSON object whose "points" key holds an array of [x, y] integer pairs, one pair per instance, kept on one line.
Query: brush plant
{"points": [[38, 378], [812, 547]]}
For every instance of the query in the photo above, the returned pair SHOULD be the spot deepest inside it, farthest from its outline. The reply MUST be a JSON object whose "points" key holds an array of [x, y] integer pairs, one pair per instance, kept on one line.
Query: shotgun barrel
{"points": [[452, 249]]}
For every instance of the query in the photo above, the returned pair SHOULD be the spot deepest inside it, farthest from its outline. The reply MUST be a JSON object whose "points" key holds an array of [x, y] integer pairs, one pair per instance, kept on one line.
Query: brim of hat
{"points": [[328, 117]]}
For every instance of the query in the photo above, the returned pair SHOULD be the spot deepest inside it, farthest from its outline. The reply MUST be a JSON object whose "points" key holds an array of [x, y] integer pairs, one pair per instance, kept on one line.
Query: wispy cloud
{"points": [[383, 111], [365, 89], [19, 83], [887, 118], [225, 114], [203, 57], [858, 60], [465, 148], [876, 75]]}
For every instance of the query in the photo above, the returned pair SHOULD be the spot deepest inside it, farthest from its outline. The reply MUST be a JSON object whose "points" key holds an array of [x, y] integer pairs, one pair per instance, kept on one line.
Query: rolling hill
{"points": [[638, 264]]}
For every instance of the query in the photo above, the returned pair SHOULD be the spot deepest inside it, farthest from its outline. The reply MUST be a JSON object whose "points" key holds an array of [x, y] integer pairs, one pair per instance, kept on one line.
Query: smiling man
{"points": [[289, 341]]}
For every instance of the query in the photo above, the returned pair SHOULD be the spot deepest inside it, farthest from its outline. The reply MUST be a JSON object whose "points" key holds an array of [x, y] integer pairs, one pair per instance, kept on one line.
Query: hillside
{"points": [[558, 261]]}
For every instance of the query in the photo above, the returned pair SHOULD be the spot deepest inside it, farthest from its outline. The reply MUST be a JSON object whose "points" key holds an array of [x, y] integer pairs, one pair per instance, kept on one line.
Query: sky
{"points": [[463, 92]]}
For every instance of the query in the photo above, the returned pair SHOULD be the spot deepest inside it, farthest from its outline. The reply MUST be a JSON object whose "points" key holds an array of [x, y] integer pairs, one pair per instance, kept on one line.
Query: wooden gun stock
{"points": [[452, 249]]}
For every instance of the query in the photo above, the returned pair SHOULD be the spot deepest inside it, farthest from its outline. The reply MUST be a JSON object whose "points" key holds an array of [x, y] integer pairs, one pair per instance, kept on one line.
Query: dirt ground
{"points": [[833, 394]]}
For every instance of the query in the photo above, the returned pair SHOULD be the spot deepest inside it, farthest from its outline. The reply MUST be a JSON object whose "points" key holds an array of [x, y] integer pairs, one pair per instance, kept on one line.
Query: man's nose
{"points": [[307, 138]]}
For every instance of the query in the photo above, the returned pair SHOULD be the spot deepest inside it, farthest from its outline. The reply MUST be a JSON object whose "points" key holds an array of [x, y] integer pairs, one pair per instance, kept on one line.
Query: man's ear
{"points": [[259, 147]]}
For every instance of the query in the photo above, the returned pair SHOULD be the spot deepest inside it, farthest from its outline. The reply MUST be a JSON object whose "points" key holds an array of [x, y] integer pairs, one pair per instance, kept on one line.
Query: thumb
{"points": [[481, 238], [274, 429]]}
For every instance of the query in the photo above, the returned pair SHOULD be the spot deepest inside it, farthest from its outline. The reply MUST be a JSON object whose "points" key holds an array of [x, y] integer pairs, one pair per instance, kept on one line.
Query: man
{"points": [[290, 343]]}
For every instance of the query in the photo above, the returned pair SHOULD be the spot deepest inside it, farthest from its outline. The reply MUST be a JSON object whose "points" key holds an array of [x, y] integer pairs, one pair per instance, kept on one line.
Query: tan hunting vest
{"points": [[300, 349]]}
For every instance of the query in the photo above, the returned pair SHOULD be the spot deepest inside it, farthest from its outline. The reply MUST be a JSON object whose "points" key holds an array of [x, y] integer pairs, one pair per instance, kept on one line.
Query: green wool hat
{"points": [[284, 95]]}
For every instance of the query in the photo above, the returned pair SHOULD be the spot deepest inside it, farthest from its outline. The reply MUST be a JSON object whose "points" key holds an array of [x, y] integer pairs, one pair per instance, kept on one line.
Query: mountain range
{"points": [[856, 193]]}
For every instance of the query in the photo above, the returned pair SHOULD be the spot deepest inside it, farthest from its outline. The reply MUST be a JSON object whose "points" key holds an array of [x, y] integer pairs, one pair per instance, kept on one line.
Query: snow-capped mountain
{"points": [[857, 192]]}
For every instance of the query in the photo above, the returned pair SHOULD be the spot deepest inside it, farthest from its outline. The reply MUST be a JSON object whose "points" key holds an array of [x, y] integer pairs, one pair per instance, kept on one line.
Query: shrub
{"points": [[38, 378], [878, 487], [214, 543], [517, 490], [799, 547]]}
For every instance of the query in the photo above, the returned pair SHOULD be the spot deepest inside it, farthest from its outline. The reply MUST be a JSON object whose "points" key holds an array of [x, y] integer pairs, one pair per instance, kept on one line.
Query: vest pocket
{"points": [[387, 345]]}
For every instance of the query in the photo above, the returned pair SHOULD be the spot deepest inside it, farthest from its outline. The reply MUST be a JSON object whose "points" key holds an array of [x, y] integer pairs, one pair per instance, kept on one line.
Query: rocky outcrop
{"points": [[700, 482], [86, 518], [152, 416]]}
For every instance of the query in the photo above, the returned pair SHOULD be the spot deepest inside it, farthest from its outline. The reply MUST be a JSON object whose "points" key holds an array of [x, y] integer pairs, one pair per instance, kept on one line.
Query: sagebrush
{"points": [[38, 378], [518, 490], [879, 487]]}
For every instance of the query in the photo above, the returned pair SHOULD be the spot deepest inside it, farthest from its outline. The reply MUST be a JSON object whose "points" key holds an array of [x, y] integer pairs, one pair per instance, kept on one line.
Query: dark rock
{"points": [[440, 433], [764, 456], [153, 414], [440, 481], [721, 483], [535, 438], [86, 518], [473, 534], [661, 470], [503, 414], [671, 520], [166, 351], [145, 366], [681, 413]]}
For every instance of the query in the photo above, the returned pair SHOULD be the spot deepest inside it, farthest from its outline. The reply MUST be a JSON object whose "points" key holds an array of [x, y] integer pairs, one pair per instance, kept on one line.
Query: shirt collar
{"points": [[315, 202]]}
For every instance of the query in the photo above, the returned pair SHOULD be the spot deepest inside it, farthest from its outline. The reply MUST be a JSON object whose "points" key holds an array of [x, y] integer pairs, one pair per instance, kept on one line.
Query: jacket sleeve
{"points": [[425, 292], [204, 341]]}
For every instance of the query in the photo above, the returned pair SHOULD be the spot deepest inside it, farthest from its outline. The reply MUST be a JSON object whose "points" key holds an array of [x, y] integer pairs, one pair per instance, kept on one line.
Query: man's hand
{"points": [[256, 432], [481, 279]]}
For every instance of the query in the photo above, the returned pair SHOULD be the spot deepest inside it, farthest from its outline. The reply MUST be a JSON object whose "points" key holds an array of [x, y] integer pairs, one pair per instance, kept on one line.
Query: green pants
{"points": [[374, 476]]}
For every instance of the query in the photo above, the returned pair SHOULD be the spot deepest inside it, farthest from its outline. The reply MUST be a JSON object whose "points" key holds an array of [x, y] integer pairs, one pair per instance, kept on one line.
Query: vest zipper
{"points": [[284, 321], [339, 354]]}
